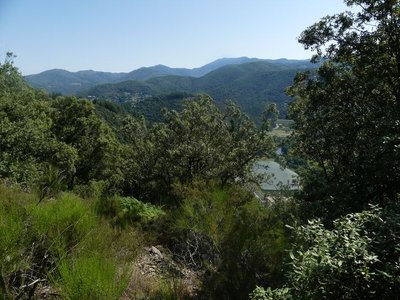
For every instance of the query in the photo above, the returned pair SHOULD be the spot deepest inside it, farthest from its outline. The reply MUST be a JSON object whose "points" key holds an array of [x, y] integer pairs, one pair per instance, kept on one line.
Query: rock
{"points": [[156, 251]]}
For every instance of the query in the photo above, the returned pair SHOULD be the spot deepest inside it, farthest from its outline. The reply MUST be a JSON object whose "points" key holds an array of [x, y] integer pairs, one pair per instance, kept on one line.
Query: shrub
{"points": [[128, 211], [231, 234], [62, 241], [269, 294], [51, 183], [95, 189], [357, 259], [134, 209], [108, 241]]}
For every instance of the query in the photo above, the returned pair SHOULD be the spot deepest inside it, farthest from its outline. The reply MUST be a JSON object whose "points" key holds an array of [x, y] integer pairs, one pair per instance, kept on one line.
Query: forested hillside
{"points": [[71, 178], [252, 86], [250, 83], [103, 200], [69, 83]]}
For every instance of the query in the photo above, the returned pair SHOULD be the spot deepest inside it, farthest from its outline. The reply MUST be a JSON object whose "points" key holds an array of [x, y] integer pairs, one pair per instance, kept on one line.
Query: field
{"points": [[283, 128]]}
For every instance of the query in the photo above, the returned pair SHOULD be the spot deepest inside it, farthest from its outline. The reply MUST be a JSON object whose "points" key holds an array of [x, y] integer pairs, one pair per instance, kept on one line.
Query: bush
{"points": [[108, 241], [357, 259], [93, 190], [269, 294], [227, 232], [128, 211], [51, 183]]}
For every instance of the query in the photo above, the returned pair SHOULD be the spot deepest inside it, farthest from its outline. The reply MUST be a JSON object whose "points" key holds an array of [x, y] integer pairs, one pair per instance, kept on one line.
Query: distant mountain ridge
{"points": [[65, 82], [251, 85]]}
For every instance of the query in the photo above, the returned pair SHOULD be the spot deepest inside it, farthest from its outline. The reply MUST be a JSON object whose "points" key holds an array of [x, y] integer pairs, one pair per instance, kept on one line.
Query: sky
{"points": [[123, 35]]}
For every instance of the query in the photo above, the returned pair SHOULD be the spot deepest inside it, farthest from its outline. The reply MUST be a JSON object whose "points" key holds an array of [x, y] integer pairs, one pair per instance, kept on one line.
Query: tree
{"points": [[347, 113], [246, 142], [193, 141], [199, 142], [76, 124], [140, 158], [26, 140]]}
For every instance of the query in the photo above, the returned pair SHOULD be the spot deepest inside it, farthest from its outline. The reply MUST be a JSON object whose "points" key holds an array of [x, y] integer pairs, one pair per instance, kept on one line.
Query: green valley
{"points": [[251, 85], [245, 178]]}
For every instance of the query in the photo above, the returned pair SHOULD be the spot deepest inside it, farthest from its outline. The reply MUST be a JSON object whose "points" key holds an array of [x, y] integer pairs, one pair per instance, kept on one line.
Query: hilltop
{"points": [[251, 85], [66, 82]]}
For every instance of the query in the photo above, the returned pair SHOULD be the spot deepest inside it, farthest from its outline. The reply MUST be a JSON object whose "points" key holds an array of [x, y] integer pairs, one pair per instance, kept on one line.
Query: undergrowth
{"points": [[62, 243]]}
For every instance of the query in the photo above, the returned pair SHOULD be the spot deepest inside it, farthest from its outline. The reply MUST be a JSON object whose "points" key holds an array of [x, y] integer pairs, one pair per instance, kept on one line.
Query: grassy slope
{"points": [[63, 244]]}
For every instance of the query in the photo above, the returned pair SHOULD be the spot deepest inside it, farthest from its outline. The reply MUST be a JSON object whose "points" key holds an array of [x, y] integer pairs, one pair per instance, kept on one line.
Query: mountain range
{"points": [[65, 82], [251, 83]]}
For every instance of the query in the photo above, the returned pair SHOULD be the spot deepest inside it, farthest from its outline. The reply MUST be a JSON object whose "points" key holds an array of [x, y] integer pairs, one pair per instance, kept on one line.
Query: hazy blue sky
{"points": [[122, 35]]}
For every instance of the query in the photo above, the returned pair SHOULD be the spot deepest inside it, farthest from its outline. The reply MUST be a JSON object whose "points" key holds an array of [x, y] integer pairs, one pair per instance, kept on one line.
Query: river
{"points": [[276, 176]]}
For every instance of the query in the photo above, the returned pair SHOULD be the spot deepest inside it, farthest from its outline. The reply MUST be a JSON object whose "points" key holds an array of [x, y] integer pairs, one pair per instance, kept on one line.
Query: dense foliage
{"points": [[239, 240], [347, 128], [200, 142], [251, 86], [182, 179], [118, 163], [356, 259], [61, 243], [26, 136], [347, 113]]}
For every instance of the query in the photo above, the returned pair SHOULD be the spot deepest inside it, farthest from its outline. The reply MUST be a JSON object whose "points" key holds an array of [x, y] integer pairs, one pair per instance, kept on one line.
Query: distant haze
{"points": [[123, 35]]}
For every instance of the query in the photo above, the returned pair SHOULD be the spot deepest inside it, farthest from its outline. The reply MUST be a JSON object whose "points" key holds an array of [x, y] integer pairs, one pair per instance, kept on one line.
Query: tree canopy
{"points": [[134, 157], [26, 138], [200, 142], [347, 113], [347, 127]]}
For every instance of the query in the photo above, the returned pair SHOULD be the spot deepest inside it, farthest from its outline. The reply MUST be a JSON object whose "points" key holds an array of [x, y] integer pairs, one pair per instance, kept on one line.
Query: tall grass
{"points": [[12, 234], [91, 277], [64, 243], [63, 222]]}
